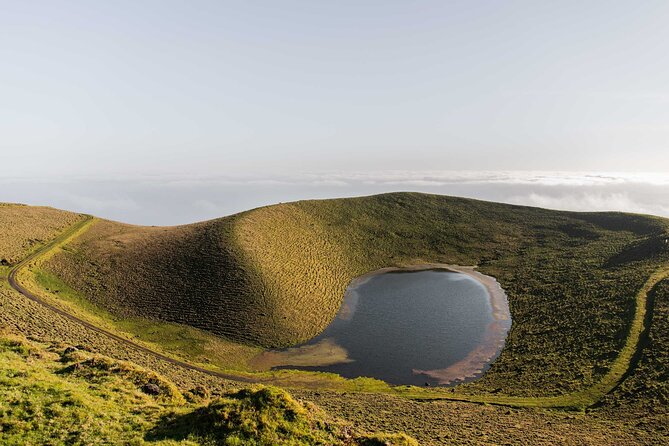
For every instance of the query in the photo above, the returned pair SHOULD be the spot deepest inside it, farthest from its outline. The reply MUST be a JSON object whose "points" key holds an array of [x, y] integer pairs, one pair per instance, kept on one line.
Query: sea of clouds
{"points": [[177, 199]]}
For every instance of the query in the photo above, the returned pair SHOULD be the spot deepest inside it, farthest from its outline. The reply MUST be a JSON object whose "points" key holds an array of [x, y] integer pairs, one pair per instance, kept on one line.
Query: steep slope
{"points": [[188, 274], [276, 275]]}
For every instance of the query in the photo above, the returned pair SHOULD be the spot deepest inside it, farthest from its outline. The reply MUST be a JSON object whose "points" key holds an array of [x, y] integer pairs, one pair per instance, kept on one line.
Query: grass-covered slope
{"points": [[23, 228], [646, 389], [276, 275], [188, 274], [59, 394], [49, 399]]}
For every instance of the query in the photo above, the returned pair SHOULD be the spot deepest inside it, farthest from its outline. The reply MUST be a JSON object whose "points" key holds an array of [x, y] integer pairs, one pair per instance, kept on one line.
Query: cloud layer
{"points": [[174, 199]]}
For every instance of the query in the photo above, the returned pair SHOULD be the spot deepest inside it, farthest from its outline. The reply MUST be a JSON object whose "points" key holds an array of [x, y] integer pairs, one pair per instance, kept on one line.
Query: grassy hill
{"points": [[23, 228], [228, 288], [275, 276]]}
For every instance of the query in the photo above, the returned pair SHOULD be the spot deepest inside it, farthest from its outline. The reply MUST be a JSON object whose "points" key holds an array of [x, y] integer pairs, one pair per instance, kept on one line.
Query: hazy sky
{"points": [[169, 200], [165, 112], [218, 88]]}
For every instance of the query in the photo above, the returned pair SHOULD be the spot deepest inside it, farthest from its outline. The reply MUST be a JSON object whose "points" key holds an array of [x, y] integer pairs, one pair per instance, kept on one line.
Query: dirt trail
{"points": [[11, 278], [584, 398]]}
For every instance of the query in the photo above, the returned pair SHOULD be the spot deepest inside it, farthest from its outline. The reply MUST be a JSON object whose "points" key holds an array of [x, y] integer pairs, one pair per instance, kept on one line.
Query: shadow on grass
{"points": [[265, 416]]}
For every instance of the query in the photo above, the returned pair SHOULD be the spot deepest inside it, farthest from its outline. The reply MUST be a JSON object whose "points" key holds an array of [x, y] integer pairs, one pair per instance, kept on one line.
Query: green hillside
{"points": [[275, 276], [587, 291]]}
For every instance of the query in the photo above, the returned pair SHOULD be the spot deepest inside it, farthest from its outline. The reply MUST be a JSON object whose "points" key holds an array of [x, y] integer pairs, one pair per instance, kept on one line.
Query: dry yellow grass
{"points": [[23, 228], [301, 282]]}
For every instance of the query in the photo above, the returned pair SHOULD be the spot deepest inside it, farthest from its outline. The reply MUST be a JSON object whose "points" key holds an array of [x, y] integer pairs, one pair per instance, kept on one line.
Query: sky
{"points": [[116, 107]]}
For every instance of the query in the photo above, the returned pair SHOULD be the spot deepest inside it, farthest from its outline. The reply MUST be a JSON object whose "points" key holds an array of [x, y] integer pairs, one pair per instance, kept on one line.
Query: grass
{"points": [[301, 272], [53, 395], [180, 341], [267, 416], [40, 405], [276, 275], [646, 390], [615, 257], [25, 228]]}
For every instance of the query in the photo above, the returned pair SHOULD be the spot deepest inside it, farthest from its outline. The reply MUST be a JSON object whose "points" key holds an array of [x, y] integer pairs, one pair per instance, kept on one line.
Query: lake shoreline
{"points": [[497, 296], [472, 366]]}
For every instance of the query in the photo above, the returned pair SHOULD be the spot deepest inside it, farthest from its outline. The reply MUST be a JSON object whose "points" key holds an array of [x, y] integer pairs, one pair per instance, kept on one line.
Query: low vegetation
{"points": [[563, 271], [57, 394], [42, 403], [301, 270], [276, 275], [24, 228], [646, 389]]}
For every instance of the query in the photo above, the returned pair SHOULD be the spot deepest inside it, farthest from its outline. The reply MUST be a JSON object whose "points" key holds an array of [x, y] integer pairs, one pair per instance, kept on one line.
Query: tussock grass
{"points": [[40, 406], [182, 341], [258, 416], [98, 369], [301, 272]]}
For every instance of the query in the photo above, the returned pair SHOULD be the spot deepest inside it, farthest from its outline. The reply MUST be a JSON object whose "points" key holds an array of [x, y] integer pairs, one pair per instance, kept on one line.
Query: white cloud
{"points": [[152, 199], [443, 178], [387, 177], [591, 201]]}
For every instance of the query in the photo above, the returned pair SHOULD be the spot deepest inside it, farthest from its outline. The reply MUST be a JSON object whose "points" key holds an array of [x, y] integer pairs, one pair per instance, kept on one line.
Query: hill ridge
{"points": [[391, 230]]}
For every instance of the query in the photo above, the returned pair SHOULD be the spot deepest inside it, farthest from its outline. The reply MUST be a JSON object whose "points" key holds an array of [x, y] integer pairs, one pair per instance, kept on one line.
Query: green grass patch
{"points": [[53, 395], [39, 406], [188, 343], [56, 287], [262, 416]]}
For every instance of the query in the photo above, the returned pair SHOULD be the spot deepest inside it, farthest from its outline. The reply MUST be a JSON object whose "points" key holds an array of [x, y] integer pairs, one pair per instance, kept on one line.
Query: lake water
{"points": [[422, 327]]}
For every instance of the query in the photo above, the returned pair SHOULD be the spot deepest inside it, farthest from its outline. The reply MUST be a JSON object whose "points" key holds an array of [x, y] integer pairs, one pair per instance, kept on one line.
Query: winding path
{"points": [[577, 400], [65, 237]]}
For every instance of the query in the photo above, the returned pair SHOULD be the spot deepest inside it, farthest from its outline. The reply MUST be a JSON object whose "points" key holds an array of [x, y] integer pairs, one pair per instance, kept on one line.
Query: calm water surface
{"points": [[395, 323]]}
